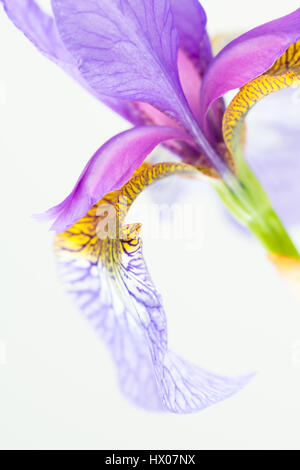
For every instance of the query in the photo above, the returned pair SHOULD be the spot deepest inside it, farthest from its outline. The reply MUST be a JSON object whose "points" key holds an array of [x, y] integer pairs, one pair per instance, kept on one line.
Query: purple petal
{"points": [[126, 49], [247, 57], [38, 27], [111, 166], [190, 21], [96, 297], [120, 300], [41, 30], [191, 81], [273, 150]]}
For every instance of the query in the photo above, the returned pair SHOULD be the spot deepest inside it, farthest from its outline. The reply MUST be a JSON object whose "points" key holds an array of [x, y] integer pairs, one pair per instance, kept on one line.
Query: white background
{"points": [[227, 309]]}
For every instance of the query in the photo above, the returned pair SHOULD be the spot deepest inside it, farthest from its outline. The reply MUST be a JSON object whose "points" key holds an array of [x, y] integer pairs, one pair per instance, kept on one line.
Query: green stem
{"points": [[248, 202], [271, 232]]}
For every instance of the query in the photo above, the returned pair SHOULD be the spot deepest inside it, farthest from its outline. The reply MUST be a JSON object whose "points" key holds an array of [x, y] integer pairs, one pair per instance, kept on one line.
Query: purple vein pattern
{"points": [[111, 285]]}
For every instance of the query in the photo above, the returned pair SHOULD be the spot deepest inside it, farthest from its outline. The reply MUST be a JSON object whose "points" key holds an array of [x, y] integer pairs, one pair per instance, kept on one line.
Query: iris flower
{"points": [[152, 62]]}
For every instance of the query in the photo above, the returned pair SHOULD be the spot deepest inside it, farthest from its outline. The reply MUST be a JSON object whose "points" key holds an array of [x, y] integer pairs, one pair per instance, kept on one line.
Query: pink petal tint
{"points": [[190, 21], [136, 335], [38, 27], [275, 156]]}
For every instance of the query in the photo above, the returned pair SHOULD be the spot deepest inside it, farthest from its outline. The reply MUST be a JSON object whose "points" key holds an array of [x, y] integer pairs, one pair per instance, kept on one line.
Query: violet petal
{"points": [[111, 167], [41, 30], [125, 49], [247, 57], [125, 309], [190, 21], [272, 150]]}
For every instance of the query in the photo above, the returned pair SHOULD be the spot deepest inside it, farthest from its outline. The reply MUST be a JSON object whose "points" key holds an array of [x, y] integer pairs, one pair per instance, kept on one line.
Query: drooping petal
{"points": [[285, 73], [190, 21], [39, 28], [247, 57], [110, 282], [111, 166], [125, 50]]}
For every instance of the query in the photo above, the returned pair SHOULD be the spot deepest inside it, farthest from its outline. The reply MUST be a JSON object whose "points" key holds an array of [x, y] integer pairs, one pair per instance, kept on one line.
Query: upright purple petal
{"points": [[41, 30], [190, 21], [125, 49], [97, 299], [111, 167], [247, 57]]}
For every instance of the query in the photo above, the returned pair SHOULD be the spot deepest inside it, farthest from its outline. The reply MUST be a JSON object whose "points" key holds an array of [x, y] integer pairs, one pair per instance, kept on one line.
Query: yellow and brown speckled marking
{"points": [[283, 74], [82, 237]]}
